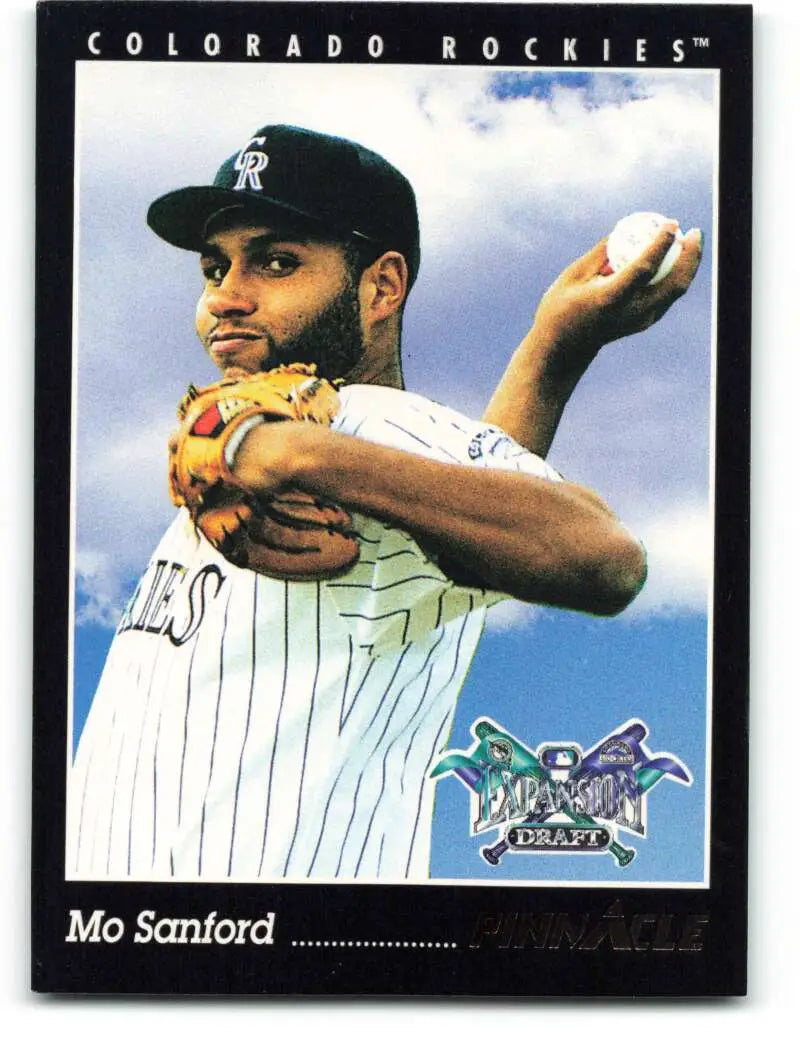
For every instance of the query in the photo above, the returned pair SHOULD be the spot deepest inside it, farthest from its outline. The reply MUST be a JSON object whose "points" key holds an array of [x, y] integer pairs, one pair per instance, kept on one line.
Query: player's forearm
{"points": [[540, 541], [535, 388], [582, 311]]}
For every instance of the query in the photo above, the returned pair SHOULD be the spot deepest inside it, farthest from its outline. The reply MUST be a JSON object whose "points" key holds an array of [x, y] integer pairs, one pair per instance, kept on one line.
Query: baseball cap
{"points": [[333, 184]]}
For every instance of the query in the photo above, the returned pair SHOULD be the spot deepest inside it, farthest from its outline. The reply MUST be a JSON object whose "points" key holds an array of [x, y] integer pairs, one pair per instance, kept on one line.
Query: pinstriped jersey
{"points": [[248, 728]]}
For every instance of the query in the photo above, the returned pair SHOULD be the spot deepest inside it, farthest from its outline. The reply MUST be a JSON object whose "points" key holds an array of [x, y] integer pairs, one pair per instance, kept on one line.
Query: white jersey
{"points": [[253, 729]]}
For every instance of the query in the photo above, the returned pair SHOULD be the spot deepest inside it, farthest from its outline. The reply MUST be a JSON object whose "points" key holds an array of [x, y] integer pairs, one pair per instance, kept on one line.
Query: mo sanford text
{"points": [[152, 928]]}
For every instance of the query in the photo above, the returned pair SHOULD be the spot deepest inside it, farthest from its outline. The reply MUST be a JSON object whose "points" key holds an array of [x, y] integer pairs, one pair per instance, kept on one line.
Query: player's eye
{"points": [[278, 264], [213, 271]]}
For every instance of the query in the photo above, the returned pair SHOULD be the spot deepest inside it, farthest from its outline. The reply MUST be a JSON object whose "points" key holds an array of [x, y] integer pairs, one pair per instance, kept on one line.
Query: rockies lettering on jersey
{"points": [[250, 728], [150, 607]]}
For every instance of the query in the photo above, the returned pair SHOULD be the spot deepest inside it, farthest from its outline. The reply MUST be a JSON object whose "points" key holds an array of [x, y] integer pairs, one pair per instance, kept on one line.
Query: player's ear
{"points": [[383, 286]]}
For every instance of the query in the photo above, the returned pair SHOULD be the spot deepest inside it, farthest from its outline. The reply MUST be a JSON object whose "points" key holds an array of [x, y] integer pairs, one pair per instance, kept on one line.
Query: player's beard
{"points": [[333, 340]]}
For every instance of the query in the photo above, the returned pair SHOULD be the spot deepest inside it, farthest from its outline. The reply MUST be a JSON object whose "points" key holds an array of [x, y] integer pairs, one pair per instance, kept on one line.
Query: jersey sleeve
{"points": [[408, 422], [397, 593]]}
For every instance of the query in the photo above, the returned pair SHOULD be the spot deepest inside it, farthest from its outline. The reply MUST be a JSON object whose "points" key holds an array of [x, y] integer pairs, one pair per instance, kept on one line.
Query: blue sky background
{"points": [[516, 174]]}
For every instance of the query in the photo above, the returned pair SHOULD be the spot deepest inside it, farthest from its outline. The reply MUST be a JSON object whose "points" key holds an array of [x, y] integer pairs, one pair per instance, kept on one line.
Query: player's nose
{"points": [[231, 295]]}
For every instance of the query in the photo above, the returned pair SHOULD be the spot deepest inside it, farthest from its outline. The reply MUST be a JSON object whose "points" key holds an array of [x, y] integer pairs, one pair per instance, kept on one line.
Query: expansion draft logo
{"points": [[560, 800]]}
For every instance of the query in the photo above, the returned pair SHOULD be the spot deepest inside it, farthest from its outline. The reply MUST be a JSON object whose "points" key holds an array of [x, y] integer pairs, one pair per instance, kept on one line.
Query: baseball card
{"points": [[392, 595]]}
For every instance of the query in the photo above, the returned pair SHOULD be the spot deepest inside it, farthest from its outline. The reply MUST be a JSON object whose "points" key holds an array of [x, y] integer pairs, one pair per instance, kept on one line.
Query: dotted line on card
{"points": [[353, 944]]}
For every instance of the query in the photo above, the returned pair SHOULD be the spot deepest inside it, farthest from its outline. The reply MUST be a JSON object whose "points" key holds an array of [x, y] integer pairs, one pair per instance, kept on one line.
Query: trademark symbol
{"points": [[701, 41]]}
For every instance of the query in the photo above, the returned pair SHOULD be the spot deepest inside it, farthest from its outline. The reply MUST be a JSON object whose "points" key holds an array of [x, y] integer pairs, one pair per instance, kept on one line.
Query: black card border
{"points": [[59, 967]]}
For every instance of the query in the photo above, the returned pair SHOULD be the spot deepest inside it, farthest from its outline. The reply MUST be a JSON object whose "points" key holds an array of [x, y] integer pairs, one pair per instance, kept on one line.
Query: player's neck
{"points": [[382, 371]]}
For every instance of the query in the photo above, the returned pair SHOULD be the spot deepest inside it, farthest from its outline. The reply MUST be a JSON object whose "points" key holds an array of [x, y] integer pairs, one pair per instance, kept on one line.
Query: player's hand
{"points": [[585, 309], [264, 461], [267, 458]]}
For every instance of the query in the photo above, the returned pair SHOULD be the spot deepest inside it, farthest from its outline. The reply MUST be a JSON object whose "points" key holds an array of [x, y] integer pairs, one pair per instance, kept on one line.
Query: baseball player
{"points": [[250, 727]]}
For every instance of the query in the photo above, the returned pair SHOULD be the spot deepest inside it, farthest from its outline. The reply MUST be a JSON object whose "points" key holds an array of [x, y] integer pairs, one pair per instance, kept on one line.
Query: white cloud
{"points": [[511, 614], [100, 595], [123, 508], [509, 192], [443, 127], [679, 548], [679, 543]]}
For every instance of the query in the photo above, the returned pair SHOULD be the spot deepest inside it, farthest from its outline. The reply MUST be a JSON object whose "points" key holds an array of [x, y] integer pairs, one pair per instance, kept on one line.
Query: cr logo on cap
{"points": [[249, 163]]}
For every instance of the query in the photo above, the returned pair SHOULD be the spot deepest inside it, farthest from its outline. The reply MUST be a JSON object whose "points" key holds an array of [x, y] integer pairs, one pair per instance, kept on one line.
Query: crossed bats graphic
{"points": [[632, 735]]}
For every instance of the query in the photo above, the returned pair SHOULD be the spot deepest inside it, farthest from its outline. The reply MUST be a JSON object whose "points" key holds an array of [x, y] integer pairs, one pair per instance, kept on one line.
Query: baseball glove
{"points": [[289, 534]]}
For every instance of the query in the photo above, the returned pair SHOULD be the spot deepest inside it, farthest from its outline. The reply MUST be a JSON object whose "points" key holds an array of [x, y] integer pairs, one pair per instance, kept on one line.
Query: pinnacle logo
{"points": [[614, 929], [250, 163]]}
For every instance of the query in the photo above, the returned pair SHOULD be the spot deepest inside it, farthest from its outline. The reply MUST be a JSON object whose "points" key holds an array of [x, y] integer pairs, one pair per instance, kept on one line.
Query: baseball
{"points": [[633, 235]]}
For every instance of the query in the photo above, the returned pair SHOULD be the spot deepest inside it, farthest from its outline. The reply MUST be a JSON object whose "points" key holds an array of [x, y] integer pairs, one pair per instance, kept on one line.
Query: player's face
{"points": [[269, 298]]}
